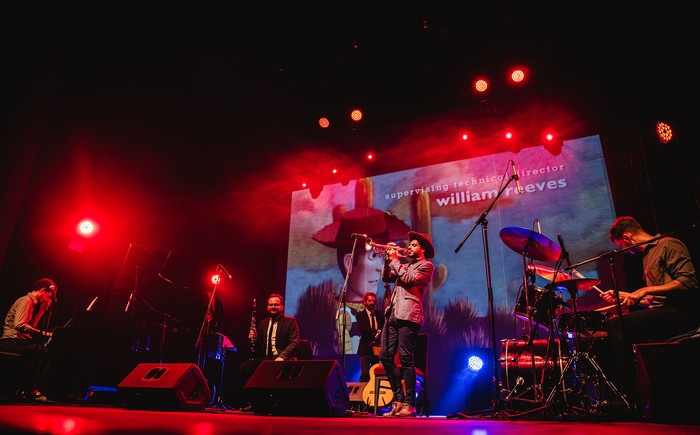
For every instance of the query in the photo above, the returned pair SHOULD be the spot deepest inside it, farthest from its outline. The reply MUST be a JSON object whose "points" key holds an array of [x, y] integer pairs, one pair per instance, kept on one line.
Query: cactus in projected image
{"points": [[421, 221]]}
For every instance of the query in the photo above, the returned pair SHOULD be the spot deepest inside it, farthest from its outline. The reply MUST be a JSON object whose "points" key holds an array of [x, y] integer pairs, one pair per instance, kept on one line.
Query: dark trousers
{"points": [[642, 326], [400, 336]]}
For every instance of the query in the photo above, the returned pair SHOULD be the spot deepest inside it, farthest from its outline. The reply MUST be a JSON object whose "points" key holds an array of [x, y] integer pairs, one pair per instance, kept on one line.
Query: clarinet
{"points": [[252, 328]]}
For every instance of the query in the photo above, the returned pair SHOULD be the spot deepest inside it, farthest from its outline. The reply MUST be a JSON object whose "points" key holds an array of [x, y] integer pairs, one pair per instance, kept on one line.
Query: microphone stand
{"points": [[343, 301], [497, 404]]}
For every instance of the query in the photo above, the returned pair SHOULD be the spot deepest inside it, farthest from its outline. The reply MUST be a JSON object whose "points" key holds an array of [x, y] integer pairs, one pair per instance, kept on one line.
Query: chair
{"points": [[13, 369], [421, 362]]}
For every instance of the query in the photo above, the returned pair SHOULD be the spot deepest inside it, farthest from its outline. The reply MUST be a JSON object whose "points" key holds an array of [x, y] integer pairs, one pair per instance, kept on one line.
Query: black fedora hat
{"points": [[425, 242]]}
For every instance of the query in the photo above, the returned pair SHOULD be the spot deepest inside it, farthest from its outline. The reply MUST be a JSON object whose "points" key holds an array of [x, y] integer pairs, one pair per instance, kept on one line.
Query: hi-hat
{"points": [[530, 243], [584, 284], [548, 273]]}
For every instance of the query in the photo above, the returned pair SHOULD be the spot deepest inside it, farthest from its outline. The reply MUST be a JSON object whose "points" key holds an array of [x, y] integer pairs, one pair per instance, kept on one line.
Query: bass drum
{"points": [[539, 364]]}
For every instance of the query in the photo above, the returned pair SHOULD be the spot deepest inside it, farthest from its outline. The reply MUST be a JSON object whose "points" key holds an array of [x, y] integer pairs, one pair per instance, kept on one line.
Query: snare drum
{"points": [[591, 324], [543, 306]]}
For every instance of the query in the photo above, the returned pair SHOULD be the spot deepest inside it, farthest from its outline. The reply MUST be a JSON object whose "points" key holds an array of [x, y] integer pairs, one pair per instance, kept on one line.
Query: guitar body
{"points": [[386, 396]]}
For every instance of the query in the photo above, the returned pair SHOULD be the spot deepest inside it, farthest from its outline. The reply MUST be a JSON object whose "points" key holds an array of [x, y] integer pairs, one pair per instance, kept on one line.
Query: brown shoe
{"points": [[395, 407], [406, 411]]}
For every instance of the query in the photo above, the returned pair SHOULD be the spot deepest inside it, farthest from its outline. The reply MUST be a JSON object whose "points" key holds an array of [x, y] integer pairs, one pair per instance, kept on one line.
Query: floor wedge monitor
{"points": [[301, 388]]}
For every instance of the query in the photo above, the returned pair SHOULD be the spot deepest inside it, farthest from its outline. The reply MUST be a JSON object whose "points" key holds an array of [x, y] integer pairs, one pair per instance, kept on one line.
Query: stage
{"points": [[90, 419]]}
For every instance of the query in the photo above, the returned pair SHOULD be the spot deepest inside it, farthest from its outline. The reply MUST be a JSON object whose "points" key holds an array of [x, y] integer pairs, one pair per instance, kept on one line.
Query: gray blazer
{"points": [[410, 281]]}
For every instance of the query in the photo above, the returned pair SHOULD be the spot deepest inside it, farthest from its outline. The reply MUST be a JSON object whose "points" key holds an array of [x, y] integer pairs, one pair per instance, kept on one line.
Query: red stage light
{"points": [[87, 228], [664, 132], [356, 115], [481, 85], [324, 122], [517, 75]]}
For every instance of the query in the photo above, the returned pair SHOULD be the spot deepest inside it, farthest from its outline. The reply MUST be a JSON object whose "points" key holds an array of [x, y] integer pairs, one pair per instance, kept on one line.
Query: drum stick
{"points": [[580, 275]]}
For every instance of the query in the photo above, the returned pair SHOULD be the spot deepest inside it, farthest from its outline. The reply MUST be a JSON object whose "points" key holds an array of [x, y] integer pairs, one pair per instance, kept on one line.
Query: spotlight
{"points": [[475, 363], [664, 132], [87, 228]]}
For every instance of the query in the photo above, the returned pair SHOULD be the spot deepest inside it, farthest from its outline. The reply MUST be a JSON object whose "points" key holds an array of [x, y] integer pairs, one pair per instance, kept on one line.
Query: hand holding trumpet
{"points": [[391, 250]]}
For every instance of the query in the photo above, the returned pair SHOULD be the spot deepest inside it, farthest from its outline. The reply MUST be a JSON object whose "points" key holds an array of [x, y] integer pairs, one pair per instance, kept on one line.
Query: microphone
{"points": [[223, 269], [518, 187], [359, 236], [564, 252], [539, 229], [54, 293]]}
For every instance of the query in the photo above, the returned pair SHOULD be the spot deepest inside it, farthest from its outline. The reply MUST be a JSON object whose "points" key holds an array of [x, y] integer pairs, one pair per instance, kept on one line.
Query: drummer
{"points": [[665, 307]]}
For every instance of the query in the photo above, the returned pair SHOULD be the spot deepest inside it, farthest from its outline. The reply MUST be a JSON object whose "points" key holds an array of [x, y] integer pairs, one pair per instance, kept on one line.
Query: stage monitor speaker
{"points": [[302, 388], [666, 379], [169, 386]]}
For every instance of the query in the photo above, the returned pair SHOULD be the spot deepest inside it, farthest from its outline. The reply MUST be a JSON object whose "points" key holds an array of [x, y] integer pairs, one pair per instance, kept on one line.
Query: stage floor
{"points": [[93, 419]]}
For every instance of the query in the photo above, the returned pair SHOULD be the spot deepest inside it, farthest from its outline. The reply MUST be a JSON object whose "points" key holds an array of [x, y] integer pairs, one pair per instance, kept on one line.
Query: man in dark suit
{"points": [[276, 337], [370, 322]]}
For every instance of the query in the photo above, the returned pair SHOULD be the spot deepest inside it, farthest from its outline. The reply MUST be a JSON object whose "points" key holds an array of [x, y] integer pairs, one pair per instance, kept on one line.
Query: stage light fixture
{"points": [[481, 85], [356, 115], [324, 122], [664, 132], [475, 363], [517, 75], [87, 228]]}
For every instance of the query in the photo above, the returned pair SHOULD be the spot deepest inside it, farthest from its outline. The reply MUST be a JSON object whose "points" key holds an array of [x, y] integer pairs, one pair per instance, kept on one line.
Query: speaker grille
{"points": [[176, 386], [308, 388]]}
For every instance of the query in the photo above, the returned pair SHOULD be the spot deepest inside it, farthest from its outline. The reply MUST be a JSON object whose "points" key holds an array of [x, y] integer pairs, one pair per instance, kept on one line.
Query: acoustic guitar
{"points": [[386, 395]]}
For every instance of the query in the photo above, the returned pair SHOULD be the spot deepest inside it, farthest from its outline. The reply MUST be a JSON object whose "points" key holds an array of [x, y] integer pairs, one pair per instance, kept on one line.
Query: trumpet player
{"points": [[404, 317]]}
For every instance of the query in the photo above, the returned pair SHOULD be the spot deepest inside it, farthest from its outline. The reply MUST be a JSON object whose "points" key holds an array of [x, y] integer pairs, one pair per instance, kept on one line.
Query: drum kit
{"points": [[558, 360]]}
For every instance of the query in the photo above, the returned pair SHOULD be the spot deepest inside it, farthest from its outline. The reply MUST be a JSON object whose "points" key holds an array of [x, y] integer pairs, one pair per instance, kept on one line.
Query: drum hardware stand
{"points": [[536, 387], [574, 363]]}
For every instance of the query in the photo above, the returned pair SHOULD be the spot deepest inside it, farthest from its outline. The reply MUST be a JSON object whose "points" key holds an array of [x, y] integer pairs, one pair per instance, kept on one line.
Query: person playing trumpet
{"points": [[404, 318]]}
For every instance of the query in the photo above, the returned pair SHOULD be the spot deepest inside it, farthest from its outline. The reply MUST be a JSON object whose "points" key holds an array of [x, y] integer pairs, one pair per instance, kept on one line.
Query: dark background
{"points": [[185, 126]]}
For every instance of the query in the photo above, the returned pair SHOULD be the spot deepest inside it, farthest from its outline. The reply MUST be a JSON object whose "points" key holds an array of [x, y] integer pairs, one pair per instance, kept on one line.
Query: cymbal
{"points": [[547, 272], [584, 284], [530, 243]]}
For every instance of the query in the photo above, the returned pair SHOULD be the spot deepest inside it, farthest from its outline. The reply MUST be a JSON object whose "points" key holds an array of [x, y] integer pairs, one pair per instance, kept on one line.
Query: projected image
{"points": [[565, 195]]}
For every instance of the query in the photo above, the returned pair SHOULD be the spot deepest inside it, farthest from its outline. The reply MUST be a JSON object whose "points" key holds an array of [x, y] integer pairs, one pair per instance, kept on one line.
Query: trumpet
{"points": [[381, 249]]}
